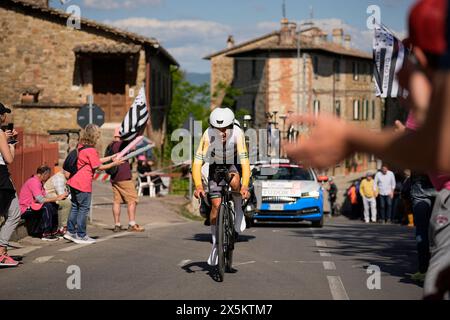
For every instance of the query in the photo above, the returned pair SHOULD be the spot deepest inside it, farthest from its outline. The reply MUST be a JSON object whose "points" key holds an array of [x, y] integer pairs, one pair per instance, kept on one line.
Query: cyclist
{"points": [[222, 144]]}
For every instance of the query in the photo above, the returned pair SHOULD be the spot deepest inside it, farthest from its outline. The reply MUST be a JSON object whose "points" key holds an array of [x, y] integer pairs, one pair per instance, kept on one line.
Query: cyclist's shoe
{"points": [[213, 259], [239, 223]]}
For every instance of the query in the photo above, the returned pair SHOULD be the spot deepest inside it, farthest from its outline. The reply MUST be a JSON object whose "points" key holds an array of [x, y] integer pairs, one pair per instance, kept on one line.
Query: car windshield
{"points": [[283, 173]]}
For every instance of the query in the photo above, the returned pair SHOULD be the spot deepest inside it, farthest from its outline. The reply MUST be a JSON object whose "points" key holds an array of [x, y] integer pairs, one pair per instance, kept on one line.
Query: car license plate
{"points": [[276, 207]]}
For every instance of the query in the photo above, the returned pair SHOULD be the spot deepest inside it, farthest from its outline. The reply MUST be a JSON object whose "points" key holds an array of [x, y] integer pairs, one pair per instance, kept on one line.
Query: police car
{"points": [[285, 192]]}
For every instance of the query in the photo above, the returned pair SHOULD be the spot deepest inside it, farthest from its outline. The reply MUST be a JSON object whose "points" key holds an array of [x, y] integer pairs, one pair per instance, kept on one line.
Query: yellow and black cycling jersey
{"points": [[213, 150]]}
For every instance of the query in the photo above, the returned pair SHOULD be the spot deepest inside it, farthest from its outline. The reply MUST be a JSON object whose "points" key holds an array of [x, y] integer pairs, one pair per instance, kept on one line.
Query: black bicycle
{"points": [[225, 234]]}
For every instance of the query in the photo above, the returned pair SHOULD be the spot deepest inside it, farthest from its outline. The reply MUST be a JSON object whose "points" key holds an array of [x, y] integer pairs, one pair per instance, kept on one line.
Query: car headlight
{"points": [[312, 194]]}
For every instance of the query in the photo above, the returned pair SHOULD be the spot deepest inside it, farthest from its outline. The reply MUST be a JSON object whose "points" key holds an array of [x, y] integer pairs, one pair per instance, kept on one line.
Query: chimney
{"points": [[338, 35], [39, 3], [230, 42], [288, 32], [347, 41]]}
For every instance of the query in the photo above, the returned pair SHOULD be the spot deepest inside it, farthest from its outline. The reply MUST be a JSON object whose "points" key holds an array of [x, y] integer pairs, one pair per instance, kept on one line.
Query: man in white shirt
{"points": [[385, 182]]}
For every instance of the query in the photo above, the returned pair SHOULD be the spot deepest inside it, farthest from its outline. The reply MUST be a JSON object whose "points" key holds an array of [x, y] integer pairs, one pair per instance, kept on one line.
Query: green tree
{"points": [[229, 94]]}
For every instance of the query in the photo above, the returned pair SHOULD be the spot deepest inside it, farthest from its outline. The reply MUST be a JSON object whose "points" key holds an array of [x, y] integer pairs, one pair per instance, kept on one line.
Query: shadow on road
{"points": [[392, 248], [203, 267], [206, 237]]}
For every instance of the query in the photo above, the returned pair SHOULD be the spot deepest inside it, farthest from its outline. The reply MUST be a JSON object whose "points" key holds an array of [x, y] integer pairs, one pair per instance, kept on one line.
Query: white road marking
{"points": [[324, 253], [42, 259], [329, 265], [183, 263], [337, 288], [321, 243], [23, 251], [243, 263]]}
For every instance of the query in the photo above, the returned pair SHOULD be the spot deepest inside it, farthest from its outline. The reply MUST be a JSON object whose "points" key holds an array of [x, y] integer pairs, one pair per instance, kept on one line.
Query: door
{"points": [[109, 87]]}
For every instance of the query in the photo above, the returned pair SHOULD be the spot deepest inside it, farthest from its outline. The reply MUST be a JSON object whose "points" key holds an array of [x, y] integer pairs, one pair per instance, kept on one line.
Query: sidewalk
{"points": [[149, 212]]}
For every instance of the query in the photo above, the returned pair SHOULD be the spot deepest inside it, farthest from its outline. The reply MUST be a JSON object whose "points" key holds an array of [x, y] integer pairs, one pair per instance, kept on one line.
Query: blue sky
{"points": [[191, 29]]}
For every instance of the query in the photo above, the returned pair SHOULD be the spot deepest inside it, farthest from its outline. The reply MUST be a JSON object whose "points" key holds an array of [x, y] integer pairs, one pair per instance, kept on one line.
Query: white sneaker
{"points": [[85, 240], [69, 236]]}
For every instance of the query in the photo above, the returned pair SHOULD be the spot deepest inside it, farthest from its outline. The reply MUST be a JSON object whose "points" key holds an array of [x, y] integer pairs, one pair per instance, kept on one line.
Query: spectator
{"points": [[332, 196], [123, 189], [54, 187], [9, 203], [423, 196], [368, 191], [405, 196], [80, 183], [385, 183], [40, 211], [352, 194], [145, 169]]}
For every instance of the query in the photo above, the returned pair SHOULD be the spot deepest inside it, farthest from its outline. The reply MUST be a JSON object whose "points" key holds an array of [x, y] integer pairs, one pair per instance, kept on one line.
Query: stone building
{"points": [[49, 68], [289, 71]]}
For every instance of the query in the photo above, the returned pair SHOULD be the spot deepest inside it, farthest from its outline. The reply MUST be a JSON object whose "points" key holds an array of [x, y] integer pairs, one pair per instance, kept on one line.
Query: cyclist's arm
{"points": [[198, 162], [244, 160]]}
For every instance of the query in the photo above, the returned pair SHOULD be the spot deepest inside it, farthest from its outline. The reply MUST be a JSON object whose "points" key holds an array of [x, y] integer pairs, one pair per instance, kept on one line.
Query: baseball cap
{"points": [[4, 109], [428, 26]]}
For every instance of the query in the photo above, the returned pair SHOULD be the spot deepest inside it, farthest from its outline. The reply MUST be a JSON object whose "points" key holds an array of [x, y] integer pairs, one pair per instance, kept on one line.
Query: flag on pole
{"points": [[136, 118], [389, 55]]}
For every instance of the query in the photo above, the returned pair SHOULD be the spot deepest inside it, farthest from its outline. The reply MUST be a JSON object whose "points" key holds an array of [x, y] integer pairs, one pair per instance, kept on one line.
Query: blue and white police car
{"points": [[286, 192]]}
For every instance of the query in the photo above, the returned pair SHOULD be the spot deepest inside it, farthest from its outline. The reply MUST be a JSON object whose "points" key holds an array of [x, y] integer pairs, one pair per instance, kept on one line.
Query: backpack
{"points": [[70, 164], [109, 152]]}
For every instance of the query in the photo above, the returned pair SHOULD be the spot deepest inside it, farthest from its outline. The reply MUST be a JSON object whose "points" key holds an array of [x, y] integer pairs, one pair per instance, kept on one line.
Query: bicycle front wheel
{"points": [[220, 236]]}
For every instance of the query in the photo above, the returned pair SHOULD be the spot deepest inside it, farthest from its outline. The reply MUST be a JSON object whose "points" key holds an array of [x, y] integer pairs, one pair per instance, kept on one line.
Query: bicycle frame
{"points": [[225, 225]]}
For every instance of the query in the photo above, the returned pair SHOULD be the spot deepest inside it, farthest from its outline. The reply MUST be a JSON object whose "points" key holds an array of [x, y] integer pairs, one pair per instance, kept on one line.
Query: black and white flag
{"points": [[389, 55], [136, 118]]}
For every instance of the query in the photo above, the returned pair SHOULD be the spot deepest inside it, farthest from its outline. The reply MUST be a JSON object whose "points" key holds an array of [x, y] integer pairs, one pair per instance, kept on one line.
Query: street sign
{"points": [[85, 117]]}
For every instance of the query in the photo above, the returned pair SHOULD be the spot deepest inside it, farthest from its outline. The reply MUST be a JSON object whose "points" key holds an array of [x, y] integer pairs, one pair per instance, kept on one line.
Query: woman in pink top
{"points": [[81, 183]]}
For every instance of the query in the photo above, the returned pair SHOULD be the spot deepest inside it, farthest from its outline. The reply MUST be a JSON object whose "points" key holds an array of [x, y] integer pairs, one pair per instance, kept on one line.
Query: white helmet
{"points": [[221, 118]]}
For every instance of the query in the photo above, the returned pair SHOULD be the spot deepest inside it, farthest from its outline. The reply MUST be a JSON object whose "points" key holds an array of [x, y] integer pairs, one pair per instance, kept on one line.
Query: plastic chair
{"points": [[147, 183]]}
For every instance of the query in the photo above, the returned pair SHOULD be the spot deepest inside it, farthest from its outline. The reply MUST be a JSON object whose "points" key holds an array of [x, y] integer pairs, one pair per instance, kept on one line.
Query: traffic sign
{"points": [[85, 117]]}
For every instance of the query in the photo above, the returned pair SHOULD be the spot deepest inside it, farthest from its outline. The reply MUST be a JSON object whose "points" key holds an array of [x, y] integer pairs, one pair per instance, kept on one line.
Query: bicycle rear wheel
{"points": [[220, 236]]}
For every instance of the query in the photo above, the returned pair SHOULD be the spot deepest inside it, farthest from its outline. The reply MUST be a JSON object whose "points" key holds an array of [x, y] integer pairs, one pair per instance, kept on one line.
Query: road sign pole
{"points": [[91, 102]]}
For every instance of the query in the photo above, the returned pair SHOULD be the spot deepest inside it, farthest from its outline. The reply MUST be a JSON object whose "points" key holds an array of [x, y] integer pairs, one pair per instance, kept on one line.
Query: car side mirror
{"points": [[322, 179]]}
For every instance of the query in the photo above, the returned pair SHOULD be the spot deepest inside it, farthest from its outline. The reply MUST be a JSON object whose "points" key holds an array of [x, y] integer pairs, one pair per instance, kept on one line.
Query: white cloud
{"points": [[118, 4]]}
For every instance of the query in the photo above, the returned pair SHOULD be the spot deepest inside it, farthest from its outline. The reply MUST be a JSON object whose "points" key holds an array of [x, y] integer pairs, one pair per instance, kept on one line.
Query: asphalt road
{"points": [[275, 262]]}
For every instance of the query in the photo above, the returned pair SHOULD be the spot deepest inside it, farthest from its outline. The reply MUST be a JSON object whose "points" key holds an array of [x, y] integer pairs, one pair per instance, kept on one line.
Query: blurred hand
{"points": [[399, 127], [244, 193], [199, 193], [118, 162], [327, 144]]}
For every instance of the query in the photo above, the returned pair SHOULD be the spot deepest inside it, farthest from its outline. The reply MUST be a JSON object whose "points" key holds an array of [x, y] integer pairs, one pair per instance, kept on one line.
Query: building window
{"points": [[316, 66], [373, 110], [253, 69], [356, 111], [337, 70], [316, 107], [366, 110], [355, 71], [337, 108]]}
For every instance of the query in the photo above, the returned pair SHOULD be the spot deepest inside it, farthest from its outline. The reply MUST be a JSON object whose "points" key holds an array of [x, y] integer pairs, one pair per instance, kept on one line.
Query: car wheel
{"points": [[318, 224]]}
